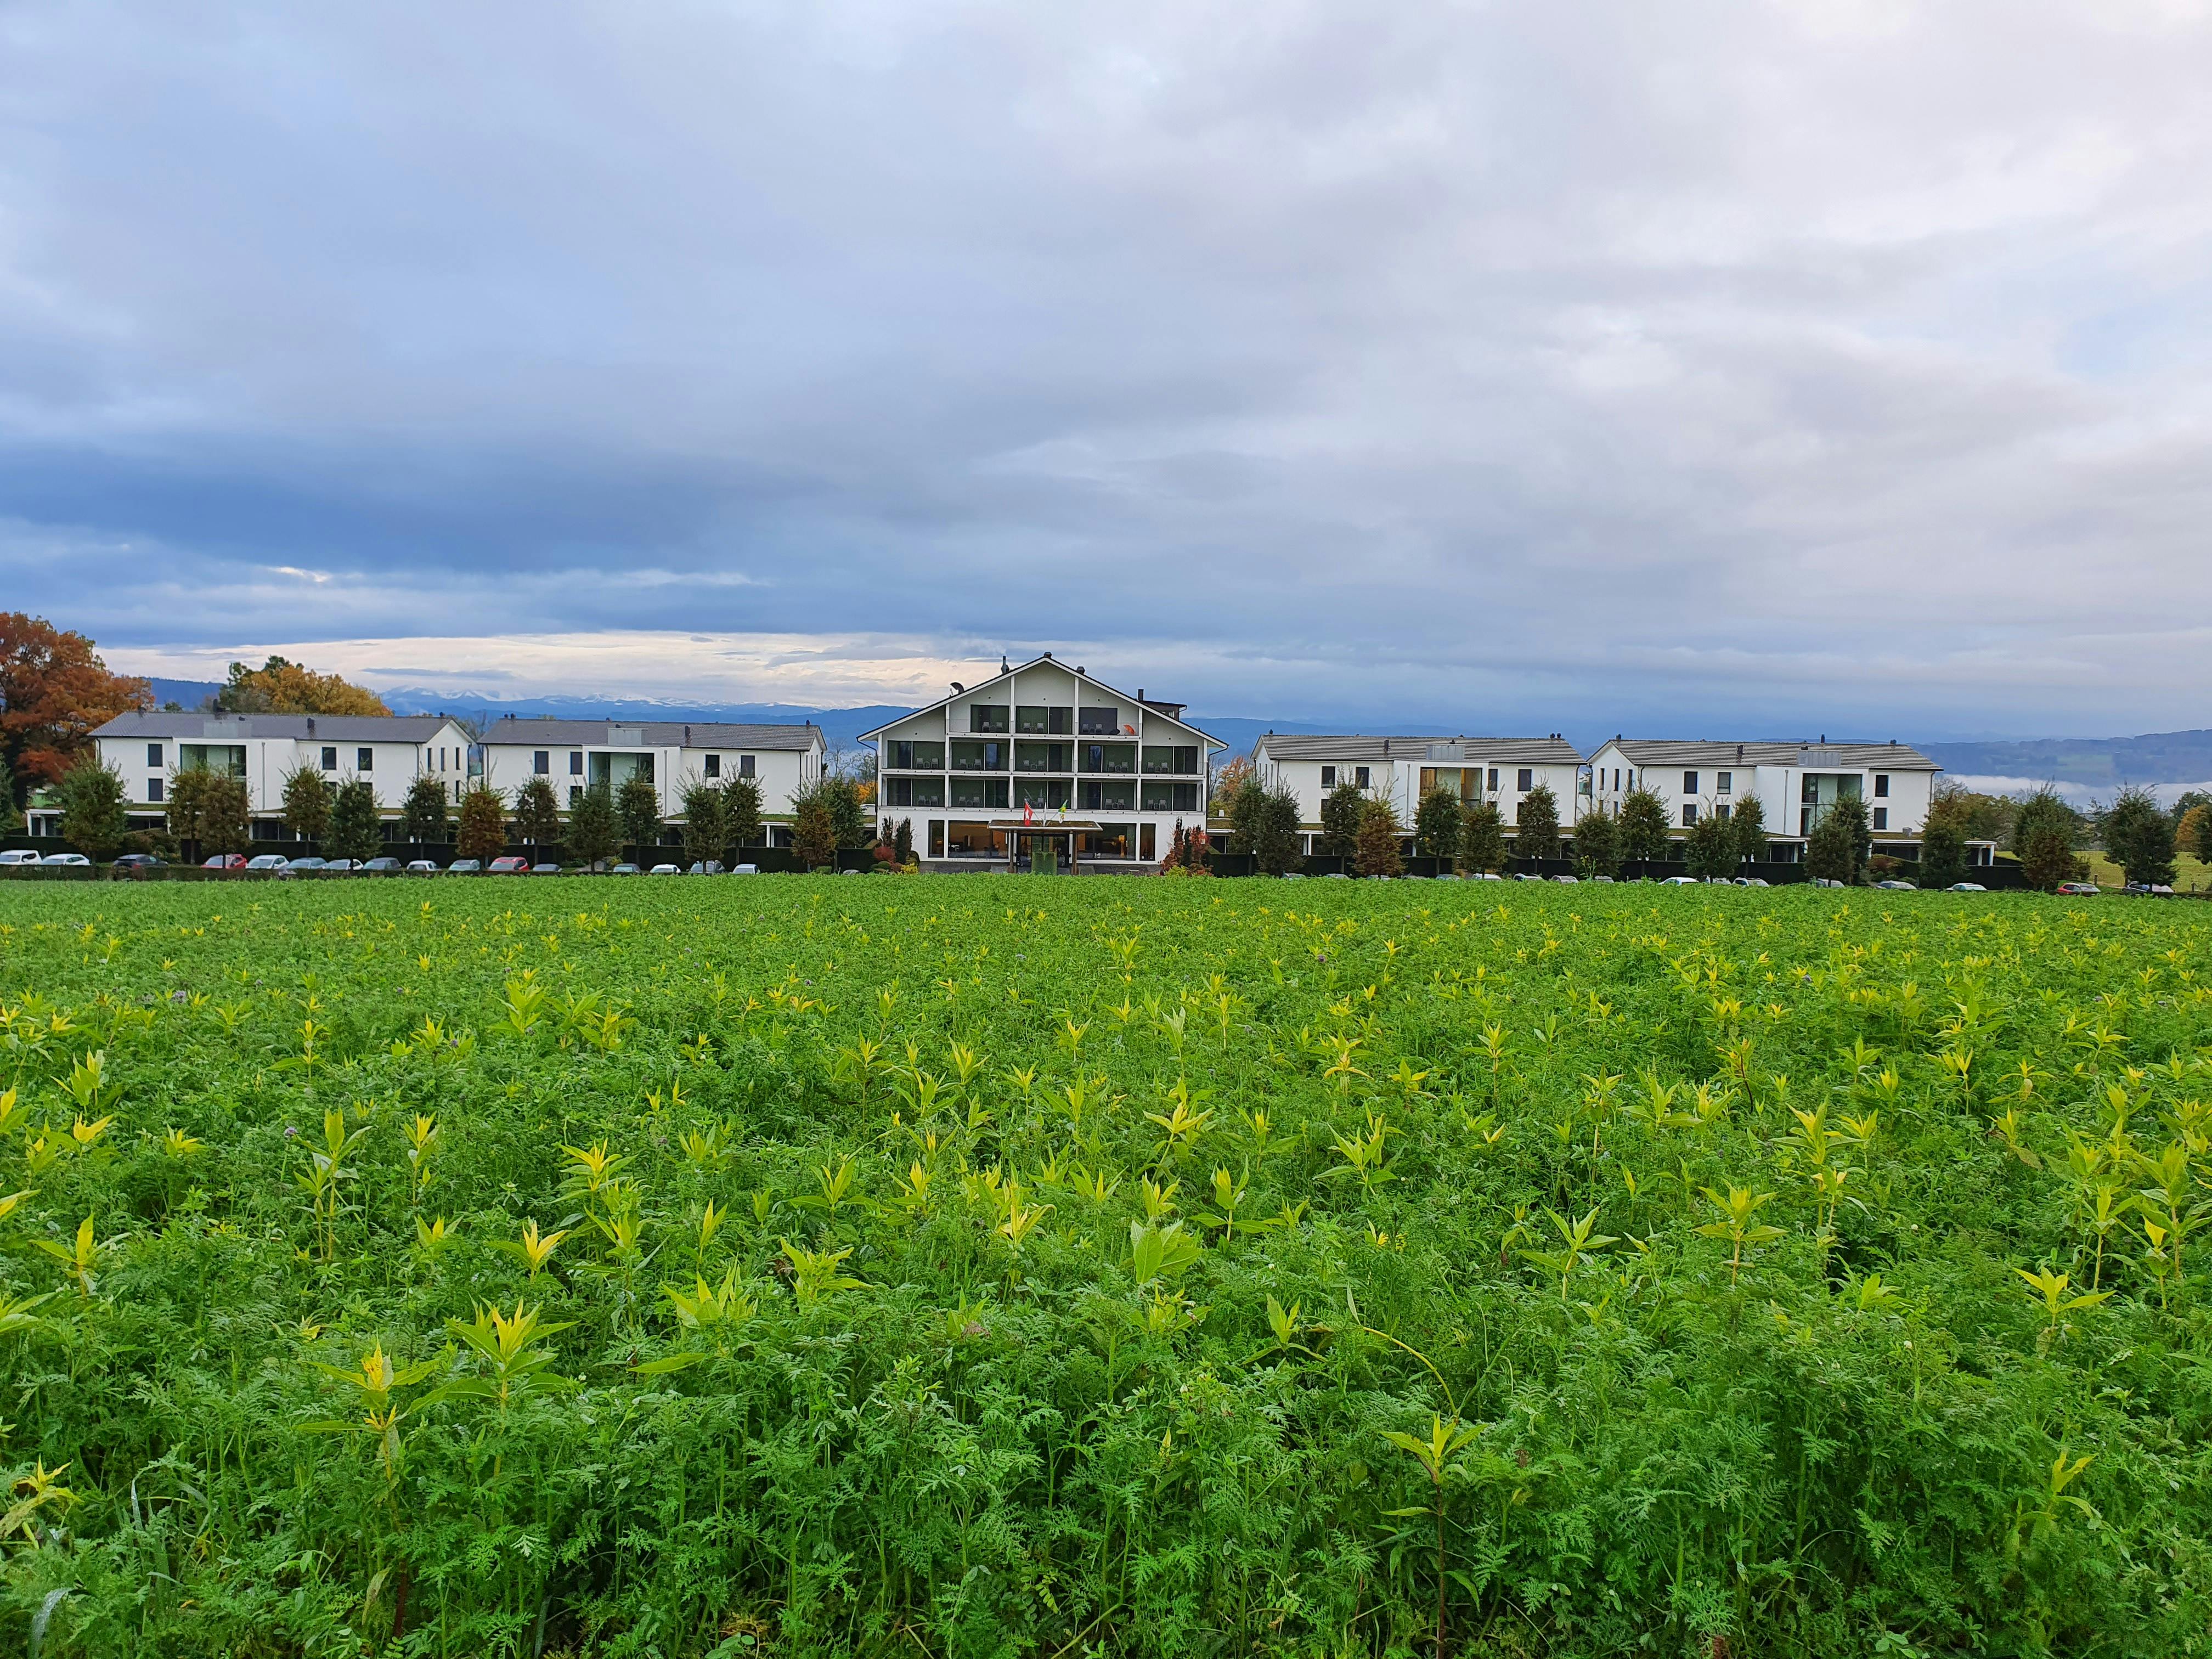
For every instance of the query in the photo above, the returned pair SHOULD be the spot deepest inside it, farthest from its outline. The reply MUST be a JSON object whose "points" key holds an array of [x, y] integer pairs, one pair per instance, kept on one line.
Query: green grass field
{"points": [[2190, 876], [965, 1266]]}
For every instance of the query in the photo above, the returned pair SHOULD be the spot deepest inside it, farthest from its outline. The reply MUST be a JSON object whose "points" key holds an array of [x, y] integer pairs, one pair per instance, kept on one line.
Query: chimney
{"points": [[1739, 752], [311, 725]]}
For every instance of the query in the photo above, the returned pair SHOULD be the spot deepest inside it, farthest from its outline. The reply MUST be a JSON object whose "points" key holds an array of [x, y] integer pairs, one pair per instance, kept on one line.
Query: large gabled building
{"points": [[1041, 758], [1795, 782], [1402, 769]]}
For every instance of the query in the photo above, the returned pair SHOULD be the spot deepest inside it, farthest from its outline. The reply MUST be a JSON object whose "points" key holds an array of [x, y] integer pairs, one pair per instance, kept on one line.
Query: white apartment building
{"points": [[387, 750], [574, 756], [1402, 769], [1795, 782], [1042, 758]]}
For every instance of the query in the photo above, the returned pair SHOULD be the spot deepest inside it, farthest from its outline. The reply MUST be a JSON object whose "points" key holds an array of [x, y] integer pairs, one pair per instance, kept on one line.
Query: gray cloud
{"points": [[1711, 368]]}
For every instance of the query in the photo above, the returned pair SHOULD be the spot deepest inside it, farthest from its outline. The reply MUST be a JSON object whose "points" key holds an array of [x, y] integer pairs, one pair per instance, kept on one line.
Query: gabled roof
{"points": [[1167, 711], [197, 727], [1661, 751], [1419, 750], [651, 734]]}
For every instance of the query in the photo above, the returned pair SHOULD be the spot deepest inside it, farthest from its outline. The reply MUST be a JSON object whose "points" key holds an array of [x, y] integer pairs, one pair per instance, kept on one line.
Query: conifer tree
{"points": [[1435, 825], [538, 813], [594, 831], [306, 803], [1597, 845], [355, 821], [1644, 827], [637, 803], [1536, 825], [1375, 851], [423, 814]]}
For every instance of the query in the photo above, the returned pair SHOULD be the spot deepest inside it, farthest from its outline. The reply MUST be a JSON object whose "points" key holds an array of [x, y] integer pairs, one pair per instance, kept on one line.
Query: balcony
{"points": [[1043, 757], [979, 757], [1111, 759], [1177, 760]]}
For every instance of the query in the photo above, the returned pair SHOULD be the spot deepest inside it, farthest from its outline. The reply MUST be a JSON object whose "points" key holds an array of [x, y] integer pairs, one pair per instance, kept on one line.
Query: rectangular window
{"points": [[899, 753], [1172, 758], [1689, 784], [1099, 722], [714, 766], [154, 789], [1359, 775], [1041, 791], [1328, 777], [541, 762], [936, 838], [1689, 816], [575, 795], [1147, 842], [364, 760], [1117, 797], [154, 754], [1493, 781], [1108, 840], [914, 792], [224, 759], [989, 793], [978, 757], [1110, 757], [1171, 797], [974, 841], [1526, 780], [986, 716], [744, 766], [1723, 783], [1044, 721], [1722, 810], [1880, 785], [329, 757], [1043, 757], [575, 762], [1881, 818]]}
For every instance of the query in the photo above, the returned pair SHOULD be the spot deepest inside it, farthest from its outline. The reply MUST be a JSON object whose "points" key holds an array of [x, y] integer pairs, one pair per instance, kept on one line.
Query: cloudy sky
{"points": [[1691, 369]]}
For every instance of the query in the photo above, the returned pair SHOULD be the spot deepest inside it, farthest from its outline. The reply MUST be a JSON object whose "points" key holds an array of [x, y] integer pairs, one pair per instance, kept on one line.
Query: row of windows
{"points": [[969, 839], [1047, 719], [1878, 818], [1462, 781], [1002, 795], [1723, 782], [974, 755], [541, 762]]}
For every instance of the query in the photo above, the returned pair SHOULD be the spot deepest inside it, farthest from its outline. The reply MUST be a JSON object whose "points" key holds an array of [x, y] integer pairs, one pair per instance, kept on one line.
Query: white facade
{"points": [[1042, 757], [574, 756], [1794, 783], [386, 750], [1402, 769]]}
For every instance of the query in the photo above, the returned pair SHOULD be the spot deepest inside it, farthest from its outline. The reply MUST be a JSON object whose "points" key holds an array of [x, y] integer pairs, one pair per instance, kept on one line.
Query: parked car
{"points": [[711, 867], [340, 866], [2149, 890], [1680, 881], [67, 860], [544, 869], [1965, 887], [2079, 889], [18, 855], [466, 867], [1751, 881], [305, 866], [384, 866], [1568, 881], [139, 861], [623, 870], [422, 867], [509, 868], [1897, 886], [221, 861], [666, 870], [265, 861]]}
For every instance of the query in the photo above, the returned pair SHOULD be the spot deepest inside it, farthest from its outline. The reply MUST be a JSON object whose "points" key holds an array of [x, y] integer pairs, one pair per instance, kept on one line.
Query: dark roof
{"points": [[1168, 710], [1661, 751], [652, 734], [231, 728], [1418, 751]]}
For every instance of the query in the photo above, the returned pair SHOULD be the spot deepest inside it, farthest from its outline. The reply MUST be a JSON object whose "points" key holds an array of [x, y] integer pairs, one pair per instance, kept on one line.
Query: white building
{"points": [[574, 756], [1042, 758], [1402, 769], [1795, 782], [386, 750]]}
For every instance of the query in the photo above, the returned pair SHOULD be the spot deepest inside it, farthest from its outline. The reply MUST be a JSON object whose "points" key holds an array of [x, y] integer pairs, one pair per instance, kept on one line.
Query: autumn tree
{"points": [[280, 687], [814, 839], [92, 820], [741, 811], [423, 821], [1536, 826], [306, 803], [54, 692], [1374, 849], [484, 824], [538, 812]]}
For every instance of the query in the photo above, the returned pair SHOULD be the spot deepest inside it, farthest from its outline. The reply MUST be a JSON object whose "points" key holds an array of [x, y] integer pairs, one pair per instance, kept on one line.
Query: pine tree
{"points": [[306, 803], [1748, 826], [1275, 833], [2044, 833], [594, 832], [1597, 845], [903, 842], [422, 818], [706, 829], [1942, 851], [355, 821], [741, 812], [1482, 837], [1375, 851], [92, 819], [1340, 818], [484, 825], [1536, 826], [637, 803], [1435, 825], [1643, 827], [2138, 836], [1837, 849], [538, 813], [185, 799], [1243, 798]]}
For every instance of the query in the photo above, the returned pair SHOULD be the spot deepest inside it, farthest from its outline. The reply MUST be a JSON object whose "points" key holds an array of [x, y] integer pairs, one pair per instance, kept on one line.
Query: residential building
{"points": [[388, 751], [1795, 783], [574, 756], [1042, 758], [1402, 769]]}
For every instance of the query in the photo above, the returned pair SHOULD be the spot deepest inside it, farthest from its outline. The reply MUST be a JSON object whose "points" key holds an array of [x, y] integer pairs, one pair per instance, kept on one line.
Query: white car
{"points": [[71, 860], [18, 855], [1680, 881], [666, 870], [1966, 887], [265, 861], [422, 867]]}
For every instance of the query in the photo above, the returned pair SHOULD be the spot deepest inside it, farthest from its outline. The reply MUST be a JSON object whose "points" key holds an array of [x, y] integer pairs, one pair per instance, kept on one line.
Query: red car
{"points": [[225, 861], [508, 867]]}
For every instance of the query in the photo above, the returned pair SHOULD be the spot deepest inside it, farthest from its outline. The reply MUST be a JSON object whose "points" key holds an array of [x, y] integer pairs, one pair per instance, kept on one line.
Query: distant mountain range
{"points": [[2076, 765]]}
